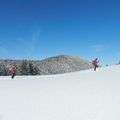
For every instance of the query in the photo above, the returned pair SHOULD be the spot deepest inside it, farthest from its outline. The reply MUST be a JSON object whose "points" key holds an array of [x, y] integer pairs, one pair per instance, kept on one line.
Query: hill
{"points": [[53, 65], [63, 64]]}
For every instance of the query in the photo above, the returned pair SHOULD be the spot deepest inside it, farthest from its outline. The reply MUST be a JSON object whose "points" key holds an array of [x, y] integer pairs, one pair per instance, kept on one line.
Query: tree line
{"points": [[26, 68]]}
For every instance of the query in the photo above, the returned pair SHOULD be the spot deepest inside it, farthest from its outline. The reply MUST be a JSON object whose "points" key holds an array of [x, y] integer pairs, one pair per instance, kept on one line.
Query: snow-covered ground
{"points": [[85, 95]]}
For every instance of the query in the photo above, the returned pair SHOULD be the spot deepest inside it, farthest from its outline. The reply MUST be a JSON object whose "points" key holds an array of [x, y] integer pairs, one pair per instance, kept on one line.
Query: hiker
{"points": [[95, 63], [13, 71]]}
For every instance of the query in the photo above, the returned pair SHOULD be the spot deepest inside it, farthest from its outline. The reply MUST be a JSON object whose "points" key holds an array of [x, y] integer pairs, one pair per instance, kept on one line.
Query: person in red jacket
{"points": [[12, 71], [95, 63]]}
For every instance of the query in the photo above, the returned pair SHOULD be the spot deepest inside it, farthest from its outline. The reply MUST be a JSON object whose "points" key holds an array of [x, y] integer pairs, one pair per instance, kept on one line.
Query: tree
{"points": [[0, 70], [36, 70], [33, 70], [24, 68], [4, 70]]}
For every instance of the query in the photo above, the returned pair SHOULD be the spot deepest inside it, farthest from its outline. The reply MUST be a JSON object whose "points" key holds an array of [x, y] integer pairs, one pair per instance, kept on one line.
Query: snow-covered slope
{"points": [[85, 95]]}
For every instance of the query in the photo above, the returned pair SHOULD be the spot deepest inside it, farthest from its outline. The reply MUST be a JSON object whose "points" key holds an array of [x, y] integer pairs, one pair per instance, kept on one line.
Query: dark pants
{"points": [[95, 66], [13, 75]]}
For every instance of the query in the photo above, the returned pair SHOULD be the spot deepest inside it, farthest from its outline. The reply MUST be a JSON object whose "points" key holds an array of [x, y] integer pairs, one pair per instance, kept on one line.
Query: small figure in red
{"points": [[13, 71], [95, 63]]}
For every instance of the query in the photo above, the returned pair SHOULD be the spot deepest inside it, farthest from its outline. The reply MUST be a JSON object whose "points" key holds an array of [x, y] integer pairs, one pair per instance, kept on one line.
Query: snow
{"points": [[86, 95]]}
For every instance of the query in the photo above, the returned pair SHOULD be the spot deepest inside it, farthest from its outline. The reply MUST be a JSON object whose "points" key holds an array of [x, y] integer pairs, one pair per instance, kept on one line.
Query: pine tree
{"points": [[31, 68], [4, 70], [0, 70], [24, 68], [36, 70]]}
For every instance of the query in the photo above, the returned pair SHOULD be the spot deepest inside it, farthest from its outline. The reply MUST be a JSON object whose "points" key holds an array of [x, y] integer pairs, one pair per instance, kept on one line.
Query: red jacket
{"points": [[95, 62], [13, 69]]}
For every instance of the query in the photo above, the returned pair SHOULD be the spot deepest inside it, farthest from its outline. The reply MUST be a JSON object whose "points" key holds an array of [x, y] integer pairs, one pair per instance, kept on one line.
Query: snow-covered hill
{"points": [[85, 95]]}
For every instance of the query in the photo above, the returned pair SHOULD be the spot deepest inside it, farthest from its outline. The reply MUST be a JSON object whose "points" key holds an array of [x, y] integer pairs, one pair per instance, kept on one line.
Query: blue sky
{"points": [[37, 29]]}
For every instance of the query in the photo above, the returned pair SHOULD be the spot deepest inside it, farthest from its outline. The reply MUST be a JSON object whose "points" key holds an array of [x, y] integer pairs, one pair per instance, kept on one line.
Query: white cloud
{"points": [[100, 47], [20, 39], [35, 36], [31, 44]]}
